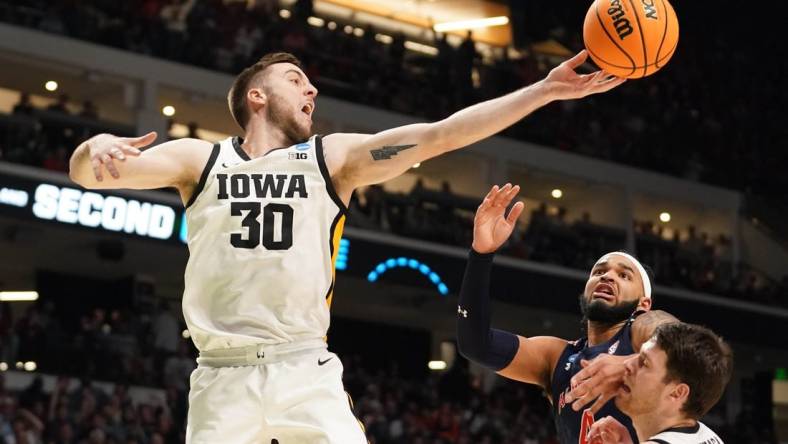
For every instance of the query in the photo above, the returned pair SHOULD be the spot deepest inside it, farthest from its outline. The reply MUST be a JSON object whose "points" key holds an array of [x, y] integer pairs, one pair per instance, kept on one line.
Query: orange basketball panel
{"points": [[620, 24], [671, 39], [602, 49]]}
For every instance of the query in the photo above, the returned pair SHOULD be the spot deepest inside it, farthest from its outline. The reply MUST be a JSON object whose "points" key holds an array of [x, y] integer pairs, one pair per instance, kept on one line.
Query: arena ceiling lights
{"points": [[18, 296], [414, 17], [471, 24]]}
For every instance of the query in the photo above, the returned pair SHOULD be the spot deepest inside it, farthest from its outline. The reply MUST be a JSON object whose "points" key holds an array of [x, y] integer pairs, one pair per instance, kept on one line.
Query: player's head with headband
{"points": [[617, 286]]}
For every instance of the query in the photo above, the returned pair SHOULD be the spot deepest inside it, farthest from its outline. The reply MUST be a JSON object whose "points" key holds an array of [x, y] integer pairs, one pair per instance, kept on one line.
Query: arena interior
{"points": [[685, 168]]}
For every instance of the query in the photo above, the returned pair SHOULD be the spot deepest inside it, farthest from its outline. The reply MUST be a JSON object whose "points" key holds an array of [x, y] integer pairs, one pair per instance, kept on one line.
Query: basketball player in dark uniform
{"points": [[616, 306]]}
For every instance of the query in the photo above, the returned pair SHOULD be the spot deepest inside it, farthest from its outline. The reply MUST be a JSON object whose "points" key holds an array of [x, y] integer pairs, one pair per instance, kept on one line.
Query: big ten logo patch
{"points": [[297, 156]]}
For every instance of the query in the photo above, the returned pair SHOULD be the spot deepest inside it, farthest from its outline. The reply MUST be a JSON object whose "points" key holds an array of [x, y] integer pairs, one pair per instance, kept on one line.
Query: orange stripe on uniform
{"points": [[336, 236]]}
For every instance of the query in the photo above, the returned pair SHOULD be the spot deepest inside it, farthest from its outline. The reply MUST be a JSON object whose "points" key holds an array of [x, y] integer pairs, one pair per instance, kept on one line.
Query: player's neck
{"points": [[262, 137], [599, 333], [652, 423]]}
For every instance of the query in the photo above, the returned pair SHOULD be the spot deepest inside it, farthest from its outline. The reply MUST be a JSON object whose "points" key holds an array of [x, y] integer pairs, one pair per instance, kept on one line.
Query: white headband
{"points": [[641, 270]]}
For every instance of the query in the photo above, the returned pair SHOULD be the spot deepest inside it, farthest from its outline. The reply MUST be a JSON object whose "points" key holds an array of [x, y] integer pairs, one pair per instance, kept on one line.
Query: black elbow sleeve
{"points": [[476, 341]]}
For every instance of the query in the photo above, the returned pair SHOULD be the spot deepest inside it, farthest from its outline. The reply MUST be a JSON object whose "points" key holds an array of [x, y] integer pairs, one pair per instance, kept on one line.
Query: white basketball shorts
{"points": [[283, 394]]}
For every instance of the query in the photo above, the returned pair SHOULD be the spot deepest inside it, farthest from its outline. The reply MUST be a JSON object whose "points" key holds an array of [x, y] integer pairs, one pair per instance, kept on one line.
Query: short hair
{"points": [[236, 98], [698, 358]]}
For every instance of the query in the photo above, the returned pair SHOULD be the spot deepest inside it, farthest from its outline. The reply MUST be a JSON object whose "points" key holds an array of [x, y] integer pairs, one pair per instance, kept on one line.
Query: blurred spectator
{"points": [[89, 110], [61, 105], [166, 332], [23, 106], [57, 160], [7, 338], [177, 368], [303, 9], [193, 130]]}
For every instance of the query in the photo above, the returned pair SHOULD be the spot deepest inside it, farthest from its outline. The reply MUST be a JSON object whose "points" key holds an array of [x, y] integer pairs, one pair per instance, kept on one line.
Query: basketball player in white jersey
{"points": [[265, 214], [680, 373]]}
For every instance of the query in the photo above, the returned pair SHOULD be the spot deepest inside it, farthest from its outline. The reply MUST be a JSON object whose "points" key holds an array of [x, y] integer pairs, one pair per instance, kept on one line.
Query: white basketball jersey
{"points": [[262, 236], [700, 434]]}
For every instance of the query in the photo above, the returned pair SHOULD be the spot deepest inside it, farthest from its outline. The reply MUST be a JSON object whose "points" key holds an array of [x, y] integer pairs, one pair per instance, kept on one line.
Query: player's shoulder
{"points": [[188, 143], [336, 149], [185, 150], [340, 140], [192, 154]]}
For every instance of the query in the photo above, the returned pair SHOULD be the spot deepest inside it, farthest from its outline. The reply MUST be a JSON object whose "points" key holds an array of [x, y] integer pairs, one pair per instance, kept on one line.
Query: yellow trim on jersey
{"points": [[336, 236], [353, 411]]}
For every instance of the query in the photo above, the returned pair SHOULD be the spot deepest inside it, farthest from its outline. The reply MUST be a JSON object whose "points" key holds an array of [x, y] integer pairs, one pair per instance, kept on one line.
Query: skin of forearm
{"points": [[487, 118]]}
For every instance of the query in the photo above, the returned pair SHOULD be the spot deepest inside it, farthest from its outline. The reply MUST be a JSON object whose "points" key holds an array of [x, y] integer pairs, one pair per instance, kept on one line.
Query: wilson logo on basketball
{"points": [[650, 9], [617, 13]]}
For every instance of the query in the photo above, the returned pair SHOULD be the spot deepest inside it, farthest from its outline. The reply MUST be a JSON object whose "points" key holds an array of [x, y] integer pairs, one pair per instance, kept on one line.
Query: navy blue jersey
{"points": [[571, 426]]}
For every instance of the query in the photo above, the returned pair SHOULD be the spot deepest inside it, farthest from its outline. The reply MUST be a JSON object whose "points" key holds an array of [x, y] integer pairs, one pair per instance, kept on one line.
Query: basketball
{"points": [[631, 38]]}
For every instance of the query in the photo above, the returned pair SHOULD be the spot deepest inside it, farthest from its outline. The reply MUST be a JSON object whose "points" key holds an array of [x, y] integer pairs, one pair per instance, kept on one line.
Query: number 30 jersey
{"points": [[262, 237]]}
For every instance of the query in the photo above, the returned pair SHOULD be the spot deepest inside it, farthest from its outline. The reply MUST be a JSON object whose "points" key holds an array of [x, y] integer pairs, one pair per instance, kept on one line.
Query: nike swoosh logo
{"points": [[224, 165], [321, 363]]}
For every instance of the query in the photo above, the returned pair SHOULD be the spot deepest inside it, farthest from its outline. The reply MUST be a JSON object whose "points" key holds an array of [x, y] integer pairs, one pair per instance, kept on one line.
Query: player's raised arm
{"points": [[110, 162], [357, 160], [529, 360]]}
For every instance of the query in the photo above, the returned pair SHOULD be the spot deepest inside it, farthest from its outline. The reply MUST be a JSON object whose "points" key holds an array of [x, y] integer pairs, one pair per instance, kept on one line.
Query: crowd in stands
{"points": [[717, 133], [101, 345], [96, 393], [691, 119], [46, 137], [102, 356], [692, 260], [681, 259]]}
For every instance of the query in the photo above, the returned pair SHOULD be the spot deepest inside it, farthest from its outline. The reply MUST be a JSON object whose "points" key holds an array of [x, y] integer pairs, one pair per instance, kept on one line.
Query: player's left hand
{"points": [[564, 83], [609, 431], [598, 382], [491, 225]]}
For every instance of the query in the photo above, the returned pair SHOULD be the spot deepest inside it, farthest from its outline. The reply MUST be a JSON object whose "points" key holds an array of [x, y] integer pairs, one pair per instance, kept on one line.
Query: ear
{"points": [[680, 393], [257, 96], [645, 304]]}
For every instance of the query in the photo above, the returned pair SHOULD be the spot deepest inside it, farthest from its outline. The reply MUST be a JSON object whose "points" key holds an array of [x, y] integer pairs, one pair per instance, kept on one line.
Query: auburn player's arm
{"points": [[600, 379], [516, 357], [645, 325], [359, 159], [524, 359], [110, 162]]}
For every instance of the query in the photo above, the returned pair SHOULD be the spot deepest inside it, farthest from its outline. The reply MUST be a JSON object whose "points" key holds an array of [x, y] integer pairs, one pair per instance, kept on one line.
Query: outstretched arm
{"points": [[524, 359], [110, 162], [358, 159]]}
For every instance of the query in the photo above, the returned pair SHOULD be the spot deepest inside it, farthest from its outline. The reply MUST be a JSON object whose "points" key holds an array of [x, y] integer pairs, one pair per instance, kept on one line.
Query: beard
{"points": [[600, 312], [283, 117]]}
